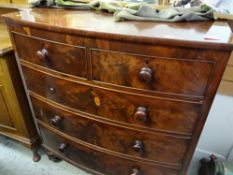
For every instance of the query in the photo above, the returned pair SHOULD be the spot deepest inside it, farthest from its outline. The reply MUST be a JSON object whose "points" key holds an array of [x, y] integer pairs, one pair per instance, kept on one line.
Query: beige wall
{"points": [[164, 2], [226, 86]]}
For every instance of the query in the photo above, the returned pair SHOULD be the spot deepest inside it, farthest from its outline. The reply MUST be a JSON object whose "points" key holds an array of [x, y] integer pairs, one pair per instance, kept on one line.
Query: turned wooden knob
{"points": [[135, 171], [138, 146], [141, 114], [62, 147], [145, 74], [56, 120], [42, 54]]}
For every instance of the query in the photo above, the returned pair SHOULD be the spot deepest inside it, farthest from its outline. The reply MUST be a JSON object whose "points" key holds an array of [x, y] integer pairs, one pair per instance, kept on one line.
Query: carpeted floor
{"points": [[15, 159]]}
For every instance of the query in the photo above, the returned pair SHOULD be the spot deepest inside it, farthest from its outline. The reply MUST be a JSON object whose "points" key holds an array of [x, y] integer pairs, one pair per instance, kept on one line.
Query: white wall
{"points": [[217, 135]]}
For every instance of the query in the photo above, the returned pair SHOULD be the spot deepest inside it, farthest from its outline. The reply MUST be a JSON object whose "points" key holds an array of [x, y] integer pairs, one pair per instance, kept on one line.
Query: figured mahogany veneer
{"points": [[127, 98], [98, 162], [157, 147], [60, 57], [167, 115], [166, 75]]}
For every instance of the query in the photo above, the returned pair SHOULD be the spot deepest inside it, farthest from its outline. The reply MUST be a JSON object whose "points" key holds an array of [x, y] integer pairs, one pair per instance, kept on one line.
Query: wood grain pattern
{"points": [[16, 120], [98, 162], [164, 115], [179, 34], [176, 57], [6, 118], [61, 57], [180, 53], [169, 75], [157, 147], [115, 45]]}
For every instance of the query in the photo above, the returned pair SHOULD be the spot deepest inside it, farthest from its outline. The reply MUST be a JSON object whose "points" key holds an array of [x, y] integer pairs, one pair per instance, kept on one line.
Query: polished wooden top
{"points": [[209, 34], [5, 43]]}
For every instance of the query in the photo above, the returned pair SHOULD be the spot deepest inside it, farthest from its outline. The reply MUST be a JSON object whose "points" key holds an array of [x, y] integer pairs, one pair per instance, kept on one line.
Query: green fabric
{"points": [[111, 7], [171, 14], [223, 168], [229, 168], [143, 12]]}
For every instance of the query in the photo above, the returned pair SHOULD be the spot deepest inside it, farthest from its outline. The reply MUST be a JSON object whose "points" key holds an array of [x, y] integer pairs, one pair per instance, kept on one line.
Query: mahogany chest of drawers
{"points": [[127, 98]]}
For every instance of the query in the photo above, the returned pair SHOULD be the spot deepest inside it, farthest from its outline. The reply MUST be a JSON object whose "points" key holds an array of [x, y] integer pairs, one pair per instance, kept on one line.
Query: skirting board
{"points": [[200, 153]]}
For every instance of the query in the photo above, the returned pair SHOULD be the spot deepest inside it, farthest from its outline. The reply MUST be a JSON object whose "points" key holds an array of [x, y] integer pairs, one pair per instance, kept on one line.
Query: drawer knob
{"points": [[145, 74], [135, 171], [62, 147], [52, 90], [56, 120], [42, 54], [141, 114], [138, 146]]}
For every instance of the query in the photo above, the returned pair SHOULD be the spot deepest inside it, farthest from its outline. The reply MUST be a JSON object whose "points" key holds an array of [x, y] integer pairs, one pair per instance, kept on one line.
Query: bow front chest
{"points": [[119, 98]]}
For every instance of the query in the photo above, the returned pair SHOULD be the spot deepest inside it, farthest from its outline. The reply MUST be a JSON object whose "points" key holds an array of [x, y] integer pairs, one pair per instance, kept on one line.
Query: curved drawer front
{"points": [[101, 162], [164, 75], [156, 147], [57, 56], [158, 114]]}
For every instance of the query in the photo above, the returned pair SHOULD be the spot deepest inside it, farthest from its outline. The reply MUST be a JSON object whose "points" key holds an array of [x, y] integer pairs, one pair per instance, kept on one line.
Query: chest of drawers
{"points": [[127, 98]]}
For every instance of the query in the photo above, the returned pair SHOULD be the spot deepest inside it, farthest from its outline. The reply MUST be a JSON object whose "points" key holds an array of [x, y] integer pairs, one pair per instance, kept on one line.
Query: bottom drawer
{"points": [[101, 162]]}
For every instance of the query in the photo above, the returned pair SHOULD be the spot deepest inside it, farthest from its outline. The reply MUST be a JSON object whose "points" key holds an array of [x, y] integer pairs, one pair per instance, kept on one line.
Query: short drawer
{"points": [[162, 148], [61, 57], [101, 162], [162, 75], [134, 110]]}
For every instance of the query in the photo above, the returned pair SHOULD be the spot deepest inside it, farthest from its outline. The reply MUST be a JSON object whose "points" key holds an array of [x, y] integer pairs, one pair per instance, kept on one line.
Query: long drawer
{"points": [[100, 162], [160, 74], [60, 57], [143, 111], [156, 147]]}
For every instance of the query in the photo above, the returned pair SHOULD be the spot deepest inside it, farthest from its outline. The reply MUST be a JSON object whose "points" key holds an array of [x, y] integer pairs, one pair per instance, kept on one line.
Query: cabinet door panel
{"points": [[4, 1], [23, 2], [5, 115]]}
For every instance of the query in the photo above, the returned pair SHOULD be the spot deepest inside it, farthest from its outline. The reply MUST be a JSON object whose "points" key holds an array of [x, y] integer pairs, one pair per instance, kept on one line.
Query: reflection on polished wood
{"points": [[90, 23], [119, 98], [16, 119]]}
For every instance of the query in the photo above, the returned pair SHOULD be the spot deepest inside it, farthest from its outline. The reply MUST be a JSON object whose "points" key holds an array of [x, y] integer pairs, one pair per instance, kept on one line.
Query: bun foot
{"points": [[36, 156], [53, 157]]}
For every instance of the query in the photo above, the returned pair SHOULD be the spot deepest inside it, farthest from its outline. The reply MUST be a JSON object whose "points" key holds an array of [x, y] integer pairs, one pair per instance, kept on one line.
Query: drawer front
{"points": [[131, 142], [159, 114], [97, 161], [57, 56], [163, 75]]}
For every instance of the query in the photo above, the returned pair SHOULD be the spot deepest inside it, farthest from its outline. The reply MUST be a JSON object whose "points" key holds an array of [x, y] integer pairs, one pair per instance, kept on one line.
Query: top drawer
{"points": [[61, 57], [163, 75]]}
